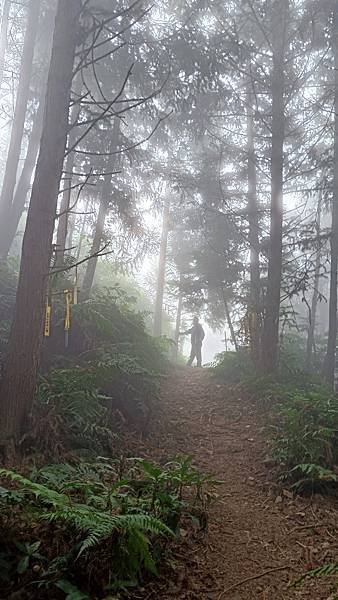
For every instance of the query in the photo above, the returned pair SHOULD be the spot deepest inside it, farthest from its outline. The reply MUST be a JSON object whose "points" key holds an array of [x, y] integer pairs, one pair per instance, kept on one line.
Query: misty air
{"points": [[168, 299]]}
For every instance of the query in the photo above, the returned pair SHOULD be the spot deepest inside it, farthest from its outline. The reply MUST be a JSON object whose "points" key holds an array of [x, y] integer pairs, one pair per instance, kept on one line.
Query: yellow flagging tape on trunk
{"points": [[69, 301], [48, 315]]}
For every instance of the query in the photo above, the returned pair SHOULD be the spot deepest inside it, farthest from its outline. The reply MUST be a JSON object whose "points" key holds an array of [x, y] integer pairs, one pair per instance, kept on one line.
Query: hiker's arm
{"points": [[186, 332]]}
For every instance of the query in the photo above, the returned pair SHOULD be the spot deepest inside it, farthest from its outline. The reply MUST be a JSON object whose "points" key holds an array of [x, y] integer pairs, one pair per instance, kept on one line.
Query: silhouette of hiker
{"points": [[197, 337]]}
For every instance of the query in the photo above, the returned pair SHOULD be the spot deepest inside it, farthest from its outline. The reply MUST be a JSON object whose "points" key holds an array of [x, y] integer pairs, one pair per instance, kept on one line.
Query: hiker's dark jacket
{"points": [[197, 334]]}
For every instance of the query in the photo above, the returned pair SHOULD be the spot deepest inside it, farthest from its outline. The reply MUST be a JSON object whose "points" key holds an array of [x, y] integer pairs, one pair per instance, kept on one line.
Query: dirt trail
{"points": [[255, 527]]}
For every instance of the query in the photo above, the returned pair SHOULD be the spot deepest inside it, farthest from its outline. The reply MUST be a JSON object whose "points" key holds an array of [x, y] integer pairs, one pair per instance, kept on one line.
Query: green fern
{"points": [[314, 473], [98, 525], [318, 572], [325, 571], [117, 511], [41, 492]]}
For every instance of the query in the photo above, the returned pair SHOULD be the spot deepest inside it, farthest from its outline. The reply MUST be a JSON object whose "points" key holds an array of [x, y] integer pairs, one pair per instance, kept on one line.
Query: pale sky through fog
{"points": [[213, 344]]}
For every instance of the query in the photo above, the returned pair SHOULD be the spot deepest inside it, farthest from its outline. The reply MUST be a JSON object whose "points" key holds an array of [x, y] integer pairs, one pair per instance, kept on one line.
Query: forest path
{"points": [[254, 527]]}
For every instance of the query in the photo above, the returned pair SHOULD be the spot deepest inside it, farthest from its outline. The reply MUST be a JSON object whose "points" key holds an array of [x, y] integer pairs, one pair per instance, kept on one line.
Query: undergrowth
{"points": [[301, 415], [110, 340], [92, 529], [108, 373], [84, 406], [88, 527], [302, 428]]}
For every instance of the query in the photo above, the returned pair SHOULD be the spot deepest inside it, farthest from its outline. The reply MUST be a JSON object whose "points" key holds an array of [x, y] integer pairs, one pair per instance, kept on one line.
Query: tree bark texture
{"points": [[24, 347], [270, 345], [157, 330]]}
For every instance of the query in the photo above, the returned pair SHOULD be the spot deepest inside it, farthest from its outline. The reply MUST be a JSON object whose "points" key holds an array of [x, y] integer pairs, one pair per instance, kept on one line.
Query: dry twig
{"points": [[252, 578]]}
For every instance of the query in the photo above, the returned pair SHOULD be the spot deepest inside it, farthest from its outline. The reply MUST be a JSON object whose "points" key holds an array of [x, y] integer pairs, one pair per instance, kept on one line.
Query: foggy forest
{"points": [[168, 299]]}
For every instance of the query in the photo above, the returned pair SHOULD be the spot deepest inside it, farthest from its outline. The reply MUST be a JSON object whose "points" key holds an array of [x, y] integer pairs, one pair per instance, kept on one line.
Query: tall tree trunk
{"points": [[161, 269], [97, 239], [178, 320], [24, 347], [255, 284], [270, 345], [315, 296], [70, 229], [63, 221], [14, 150], [22, 189], [103, 211], [4, 37], [329, 366], [229, 321], [82, 230]]}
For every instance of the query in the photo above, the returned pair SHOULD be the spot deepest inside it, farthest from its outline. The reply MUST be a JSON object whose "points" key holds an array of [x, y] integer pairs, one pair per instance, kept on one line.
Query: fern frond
{"points": [[98, 525], [43, 493]]}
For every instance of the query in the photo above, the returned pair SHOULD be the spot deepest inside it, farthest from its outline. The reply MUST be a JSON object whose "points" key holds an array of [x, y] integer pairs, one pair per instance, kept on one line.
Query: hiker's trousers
{"points": [[196, 352]]}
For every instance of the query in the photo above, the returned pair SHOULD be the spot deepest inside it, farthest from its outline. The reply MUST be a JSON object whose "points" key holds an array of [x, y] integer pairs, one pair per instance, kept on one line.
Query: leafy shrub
{"points": [[303, 424], [109, 341], [105, 325], [70, 413], [100, 524], [308, 424], [312, 473], [234, 367], [292, 354], [76, 407], [111, 363], [302, 414], [238, 367]]}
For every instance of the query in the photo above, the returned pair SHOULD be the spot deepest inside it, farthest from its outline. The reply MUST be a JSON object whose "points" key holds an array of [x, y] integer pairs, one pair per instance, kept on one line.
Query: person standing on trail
{"points": [[197, 337]]}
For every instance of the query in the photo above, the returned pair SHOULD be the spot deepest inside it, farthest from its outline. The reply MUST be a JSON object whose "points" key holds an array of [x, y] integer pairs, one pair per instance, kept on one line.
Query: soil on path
{"points": [[260, 538]]}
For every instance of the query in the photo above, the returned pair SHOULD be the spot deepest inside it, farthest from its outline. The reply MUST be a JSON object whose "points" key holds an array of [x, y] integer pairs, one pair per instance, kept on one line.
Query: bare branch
{"points": [[103, 114], [97, 254], [130, 147]]}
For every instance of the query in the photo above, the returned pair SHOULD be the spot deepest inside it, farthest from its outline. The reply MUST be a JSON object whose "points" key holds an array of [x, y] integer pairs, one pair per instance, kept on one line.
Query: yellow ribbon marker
{"points": [[48, 315], [69, 301]]}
